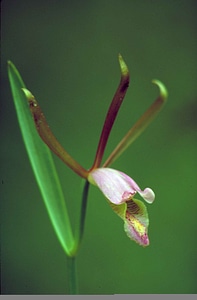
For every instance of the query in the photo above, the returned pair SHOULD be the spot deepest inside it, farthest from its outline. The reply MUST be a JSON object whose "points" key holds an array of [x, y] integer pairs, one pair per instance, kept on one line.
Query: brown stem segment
{"points": [[112, 112], [48, 137]]}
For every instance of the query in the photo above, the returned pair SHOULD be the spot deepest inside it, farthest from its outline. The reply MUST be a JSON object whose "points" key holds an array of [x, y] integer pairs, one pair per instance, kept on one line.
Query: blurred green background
{"points": [[66, 52]]}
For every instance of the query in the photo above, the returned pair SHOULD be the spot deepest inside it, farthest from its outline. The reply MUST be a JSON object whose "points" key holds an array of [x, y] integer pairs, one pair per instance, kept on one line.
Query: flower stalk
{"points": [[81, 225]]}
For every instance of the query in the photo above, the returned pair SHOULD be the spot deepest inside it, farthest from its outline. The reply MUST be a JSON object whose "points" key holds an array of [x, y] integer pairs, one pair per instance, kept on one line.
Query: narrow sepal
{"points": [[140, 125], [112, 112], [49, 138]]}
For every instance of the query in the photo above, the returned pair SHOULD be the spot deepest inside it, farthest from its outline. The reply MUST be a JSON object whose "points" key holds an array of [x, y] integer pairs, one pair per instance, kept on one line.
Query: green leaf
{"points": [[42, 164]]}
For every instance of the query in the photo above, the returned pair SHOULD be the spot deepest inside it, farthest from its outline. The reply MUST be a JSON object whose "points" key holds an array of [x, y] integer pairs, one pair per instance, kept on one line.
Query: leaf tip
{"points": [[9, 64]]}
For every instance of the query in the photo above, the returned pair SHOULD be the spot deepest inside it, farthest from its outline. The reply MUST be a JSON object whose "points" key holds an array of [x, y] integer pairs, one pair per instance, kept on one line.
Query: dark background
{"points": [[66, 52]]}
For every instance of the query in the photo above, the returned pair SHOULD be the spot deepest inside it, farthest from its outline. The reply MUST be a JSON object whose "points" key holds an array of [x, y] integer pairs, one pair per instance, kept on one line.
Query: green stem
{"points": [[72, 275], [81, 225], [83, 211]]}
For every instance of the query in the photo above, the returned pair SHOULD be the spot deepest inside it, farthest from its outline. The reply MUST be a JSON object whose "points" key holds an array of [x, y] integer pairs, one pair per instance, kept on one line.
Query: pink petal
{"points": [[147, 194], [117, 186], [112, 184]]}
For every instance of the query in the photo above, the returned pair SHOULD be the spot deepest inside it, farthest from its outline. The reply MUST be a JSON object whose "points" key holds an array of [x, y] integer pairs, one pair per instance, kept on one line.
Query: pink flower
{"points": [[120, 190]]}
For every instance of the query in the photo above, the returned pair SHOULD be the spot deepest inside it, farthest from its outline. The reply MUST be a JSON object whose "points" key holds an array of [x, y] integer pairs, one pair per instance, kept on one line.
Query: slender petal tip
{"points": [[162, 88], [123, 67]]}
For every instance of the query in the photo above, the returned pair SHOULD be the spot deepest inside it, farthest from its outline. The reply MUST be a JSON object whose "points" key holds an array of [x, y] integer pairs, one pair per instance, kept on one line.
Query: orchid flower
{"points": [[117, 187], [120, 190]]}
